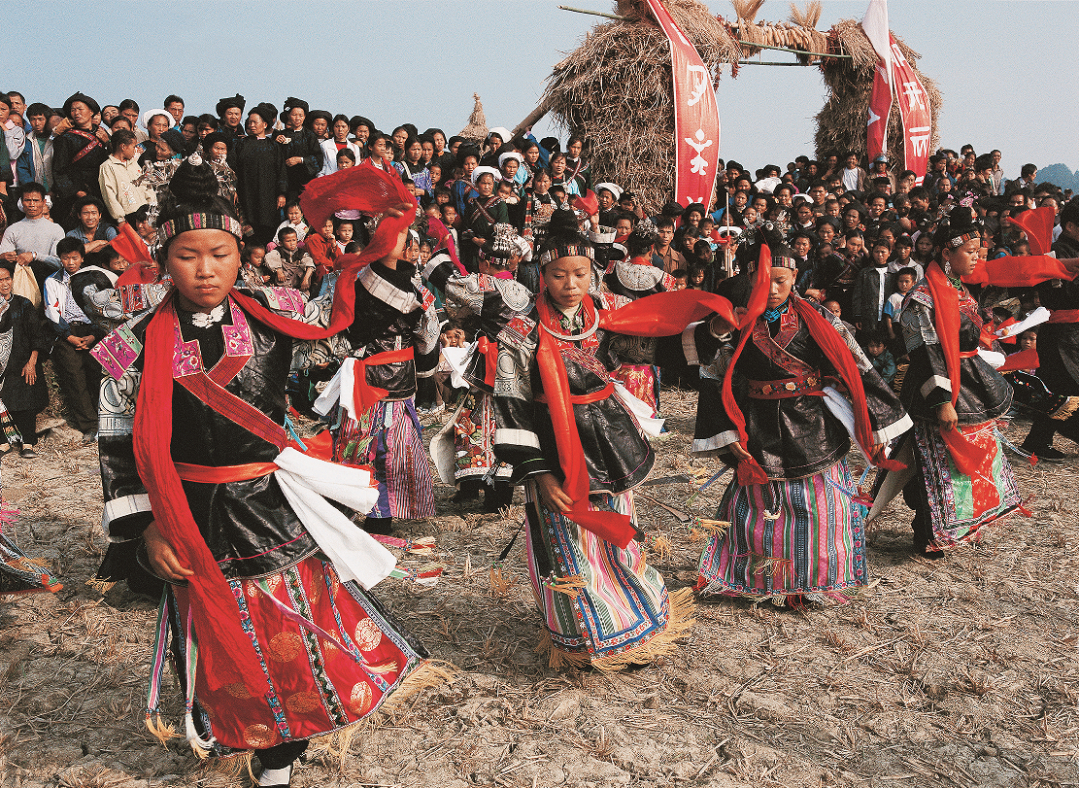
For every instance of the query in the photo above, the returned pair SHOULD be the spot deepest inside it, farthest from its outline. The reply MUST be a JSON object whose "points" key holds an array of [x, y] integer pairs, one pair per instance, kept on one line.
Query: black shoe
{"points": [[1045, 453], [383, 526]]}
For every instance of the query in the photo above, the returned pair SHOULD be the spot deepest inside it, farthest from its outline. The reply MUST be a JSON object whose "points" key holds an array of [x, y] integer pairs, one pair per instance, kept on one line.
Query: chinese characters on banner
{"points": [[914, 108], [696, 116]]}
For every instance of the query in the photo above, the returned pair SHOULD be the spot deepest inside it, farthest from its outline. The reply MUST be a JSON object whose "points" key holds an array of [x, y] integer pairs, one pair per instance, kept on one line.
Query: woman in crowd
{"points": [[335, 144], [262, 181]]}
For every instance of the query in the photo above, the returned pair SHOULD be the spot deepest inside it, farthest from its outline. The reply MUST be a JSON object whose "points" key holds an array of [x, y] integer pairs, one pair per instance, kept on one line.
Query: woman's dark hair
{"points": [[193, 189], [359, 120], [347, 153], [409, 142], [209, 120], [338, 117], [121, 137]]}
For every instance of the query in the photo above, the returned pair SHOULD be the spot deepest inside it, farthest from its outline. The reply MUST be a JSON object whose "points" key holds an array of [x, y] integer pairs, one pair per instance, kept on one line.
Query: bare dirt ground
{"points": [[959, 672]]}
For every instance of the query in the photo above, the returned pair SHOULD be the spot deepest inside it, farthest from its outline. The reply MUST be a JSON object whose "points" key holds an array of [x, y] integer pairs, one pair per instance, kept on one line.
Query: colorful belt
{"points": [[804, 385], [584, 399]]}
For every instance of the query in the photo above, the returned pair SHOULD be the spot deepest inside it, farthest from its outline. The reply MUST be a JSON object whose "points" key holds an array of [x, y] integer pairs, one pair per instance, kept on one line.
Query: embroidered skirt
{"points": [[473, 438], [816, 546], [641, 381], [388, 439], [600, 605], [330, 656], [959, 506]]}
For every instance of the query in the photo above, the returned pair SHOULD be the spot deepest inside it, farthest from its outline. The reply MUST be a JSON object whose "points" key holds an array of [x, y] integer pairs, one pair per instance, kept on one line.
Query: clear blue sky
{"points": [[1006, 69]]}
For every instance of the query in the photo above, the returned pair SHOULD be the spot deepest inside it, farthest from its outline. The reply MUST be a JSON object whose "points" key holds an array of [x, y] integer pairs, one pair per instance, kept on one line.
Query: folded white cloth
{"points": [[307, 482], [640, 409], [340, 387]]}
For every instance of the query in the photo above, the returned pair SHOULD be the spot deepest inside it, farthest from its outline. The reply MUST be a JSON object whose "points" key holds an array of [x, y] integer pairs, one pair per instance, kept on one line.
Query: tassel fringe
{"points": [[200, 746], [500, 583], [680, 621], [428, 674], [160, 730], [570, 585], [1066, 410], [101, 586]]}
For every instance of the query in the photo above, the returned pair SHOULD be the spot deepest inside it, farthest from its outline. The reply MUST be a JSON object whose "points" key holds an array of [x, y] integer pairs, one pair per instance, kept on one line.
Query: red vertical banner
{"points": [[917, 116], [880, 108], [696, 116]]}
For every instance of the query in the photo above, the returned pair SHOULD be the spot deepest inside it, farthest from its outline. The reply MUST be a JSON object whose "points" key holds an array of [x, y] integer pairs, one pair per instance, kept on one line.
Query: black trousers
{"points": [[79, 376], [281, 755], [26, 421]]}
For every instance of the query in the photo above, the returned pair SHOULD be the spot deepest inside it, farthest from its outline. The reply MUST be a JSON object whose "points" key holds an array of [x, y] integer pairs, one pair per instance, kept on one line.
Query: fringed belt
{"points": [[584, 399], [785, 388], [223, 474]]}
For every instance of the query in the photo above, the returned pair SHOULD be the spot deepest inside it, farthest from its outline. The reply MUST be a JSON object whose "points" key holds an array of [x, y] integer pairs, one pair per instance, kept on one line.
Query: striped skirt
{"points": [[601, 606], [959, 507], [330, 656], [815, 546], [388, 439]]}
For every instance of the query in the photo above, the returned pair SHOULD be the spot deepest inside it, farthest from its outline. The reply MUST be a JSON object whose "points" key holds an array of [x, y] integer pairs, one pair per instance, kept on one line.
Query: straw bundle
{"points": [[476, 128], [615, 90], [841, 123]]}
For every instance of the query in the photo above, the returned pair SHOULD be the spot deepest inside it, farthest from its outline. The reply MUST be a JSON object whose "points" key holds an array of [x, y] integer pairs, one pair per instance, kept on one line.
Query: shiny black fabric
{"points": [[379, 327], [617, 457], [795, 437], [250, 528]]}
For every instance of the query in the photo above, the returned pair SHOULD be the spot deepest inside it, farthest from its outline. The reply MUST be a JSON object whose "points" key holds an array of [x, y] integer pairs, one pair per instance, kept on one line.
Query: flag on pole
{"points": [[875, 25]]}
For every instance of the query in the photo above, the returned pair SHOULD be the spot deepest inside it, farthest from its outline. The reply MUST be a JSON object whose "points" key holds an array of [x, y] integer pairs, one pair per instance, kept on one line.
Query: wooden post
{"points": [[532, 119], [592, 13]]}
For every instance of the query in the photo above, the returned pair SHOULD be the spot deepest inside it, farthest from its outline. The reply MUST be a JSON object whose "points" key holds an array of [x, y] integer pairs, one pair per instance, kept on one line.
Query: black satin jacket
{"points": [[249, 526]]}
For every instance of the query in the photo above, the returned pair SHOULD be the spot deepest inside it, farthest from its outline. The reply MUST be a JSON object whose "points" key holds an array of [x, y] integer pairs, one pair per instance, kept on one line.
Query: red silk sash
{"points": [[1064, 316], [968, 458], [1023, 271], [223, 474], [489, 350], [1024, 359], [364, 395], [610, 526]]}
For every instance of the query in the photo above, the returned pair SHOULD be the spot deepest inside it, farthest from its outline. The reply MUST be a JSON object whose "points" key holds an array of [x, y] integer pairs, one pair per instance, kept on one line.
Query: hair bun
{"points": [[194, 182]]}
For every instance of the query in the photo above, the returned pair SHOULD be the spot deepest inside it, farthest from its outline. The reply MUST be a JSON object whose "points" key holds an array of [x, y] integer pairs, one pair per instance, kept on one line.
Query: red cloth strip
{"points": [[364, 395], [584, 399], [234, 409], [610, 526], [966, 456], [1064, 316], [1038, 226], [131, 247], [224, 648], [489, 350], [665, 314], [749, 471], [1024, 359], [223, 474], [1024, 271]]}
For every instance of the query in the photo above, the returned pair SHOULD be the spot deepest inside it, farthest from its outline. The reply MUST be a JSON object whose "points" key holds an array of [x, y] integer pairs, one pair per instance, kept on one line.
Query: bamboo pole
{"points": [[532, 119], [592, 13], [771, 63], [785, 49]]}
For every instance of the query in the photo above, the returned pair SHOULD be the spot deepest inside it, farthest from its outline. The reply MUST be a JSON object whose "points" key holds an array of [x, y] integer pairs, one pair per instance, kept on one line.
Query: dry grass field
{"points": [[958, 672]]}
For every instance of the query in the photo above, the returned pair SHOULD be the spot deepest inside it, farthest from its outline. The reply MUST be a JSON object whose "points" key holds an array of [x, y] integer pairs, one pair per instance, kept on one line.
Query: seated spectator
{"points": [[32, 241], [290, 265]]}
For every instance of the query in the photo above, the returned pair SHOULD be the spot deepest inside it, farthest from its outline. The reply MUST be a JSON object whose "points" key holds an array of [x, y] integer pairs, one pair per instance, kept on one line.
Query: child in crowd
{"points": [[882, 359], [871, 289], [290, 265], [345, 159], [834, 307], [905, 279], [252, 273], [344, 230], [78, 374], [295, 220]]}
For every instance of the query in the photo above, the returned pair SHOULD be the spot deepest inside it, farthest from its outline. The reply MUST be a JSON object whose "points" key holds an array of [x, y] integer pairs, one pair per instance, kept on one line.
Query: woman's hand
{"points": [[292, 161], [554, 497], [29, 373], [947, 417], [163, 559]]}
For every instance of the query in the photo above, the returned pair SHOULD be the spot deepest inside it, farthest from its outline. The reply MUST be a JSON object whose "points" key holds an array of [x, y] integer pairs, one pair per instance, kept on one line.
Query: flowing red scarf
{"points": [[660, 314], [228, 656], [968, 458], [749, 470]]}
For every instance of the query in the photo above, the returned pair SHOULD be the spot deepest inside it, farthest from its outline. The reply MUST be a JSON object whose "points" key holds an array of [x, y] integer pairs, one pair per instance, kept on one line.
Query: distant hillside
{"points": [[1060, 175]]}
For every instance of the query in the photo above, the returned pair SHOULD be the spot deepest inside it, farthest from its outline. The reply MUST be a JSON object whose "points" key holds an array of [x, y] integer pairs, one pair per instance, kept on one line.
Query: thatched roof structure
{"points": [[841, 123], [615, 89], [476, 128]]}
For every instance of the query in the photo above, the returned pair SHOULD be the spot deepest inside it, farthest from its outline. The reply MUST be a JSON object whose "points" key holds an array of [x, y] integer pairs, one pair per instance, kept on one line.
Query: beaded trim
{"points": [[572, 250], [959, 240], [198, 221]]}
